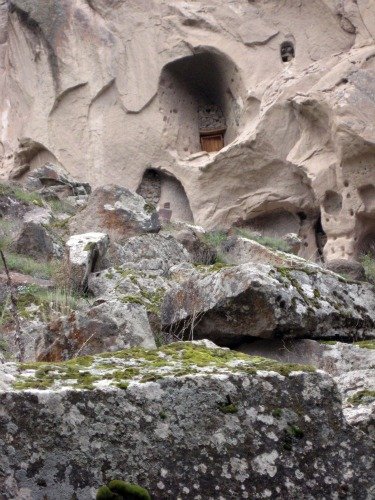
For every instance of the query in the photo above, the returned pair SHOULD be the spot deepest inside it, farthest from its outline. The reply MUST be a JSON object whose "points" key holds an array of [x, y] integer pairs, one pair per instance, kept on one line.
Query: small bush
{"points": [[214, 238], [21, 195], [62, 207], [368, 262], [29, 266], [271, 242], [120, 490]]}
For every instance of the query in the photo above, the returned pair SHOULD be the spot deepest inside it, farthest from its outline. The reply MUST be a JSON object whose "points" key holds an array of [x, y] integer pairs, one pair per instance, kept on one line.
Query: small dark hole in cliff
{"points": [[320, 236], [287, 51]]}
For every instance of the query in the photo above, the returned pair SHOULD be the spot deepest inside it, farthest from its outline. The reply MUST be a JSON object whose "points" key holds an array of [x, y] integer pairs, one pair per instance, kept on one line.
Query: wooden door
{"points": [[212, 143]]}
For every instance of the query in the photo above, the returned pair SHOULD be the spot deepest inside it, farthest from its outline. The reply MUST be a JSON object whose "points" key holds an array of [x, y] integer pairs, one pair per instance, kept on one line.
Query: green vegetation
{"points": [[29, 266], [271, 242], [150, 300], [147, 365], [368, 262], [149, 208], [214, 238], [212, 268], [362, 397], [61, 207], [21, 195], [277, 413], [120, 490], [365, 344], [228, 408], [47, 302]]}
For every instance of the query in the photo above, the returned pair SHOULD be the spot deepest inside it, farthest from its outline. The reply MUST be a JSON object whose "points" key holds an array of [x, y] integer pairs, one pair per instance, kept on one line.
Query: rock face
{"points": [[261, 301], [117, 211], [85, 255], [351, 365], [152, 253], [114, 92], [237, 427], [35, 241], [107, 326]]}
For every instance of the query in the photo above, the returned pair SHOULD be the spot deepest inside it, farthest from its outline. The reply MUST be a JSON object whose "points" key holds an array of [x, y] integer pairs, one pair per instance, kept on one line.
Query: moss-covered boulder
{"points": [[184, 421]]}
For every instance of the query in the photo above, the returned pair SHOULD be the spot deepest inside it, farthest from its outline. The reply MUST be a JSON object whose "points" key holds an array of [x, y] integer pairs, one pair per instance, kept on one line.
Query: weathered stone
{"points": [[18, 171], [293, 241], [255, 300], [85, 255], [237, 250], [36, 241], [56, 180], [117, 211], [351, 365], [348, 268], [64, 104], [237, 427], [38, 215], [107, 326], [191, 238], [152, 252]]}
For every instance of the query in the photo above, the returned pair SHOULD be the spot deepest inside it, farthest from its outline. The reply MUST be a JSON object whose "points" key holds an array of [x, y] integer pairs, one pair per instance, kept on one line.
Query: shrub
{"points": [[120, 490], [271, 242], [368, 262], [28, 265], [21, 195], [214, 238]]}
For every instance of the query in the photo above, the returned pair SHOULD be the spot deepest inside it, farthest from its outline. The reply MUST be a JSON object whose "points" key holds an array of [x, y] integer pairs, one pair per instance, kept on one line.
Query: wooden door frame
{"points": [[219, 132]]}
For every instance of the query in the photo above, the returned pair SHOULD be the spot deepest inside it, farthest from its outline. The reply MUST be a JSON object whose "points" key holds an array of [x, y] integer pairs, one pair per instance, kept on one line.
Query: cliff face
{"points": [[112, 89]]}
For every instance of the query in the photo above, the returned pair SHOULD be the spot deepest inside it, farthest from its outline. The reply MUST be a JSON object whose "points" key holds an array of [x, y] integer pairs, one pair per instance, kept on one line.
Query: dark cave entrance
{"points": [[199, 97]]}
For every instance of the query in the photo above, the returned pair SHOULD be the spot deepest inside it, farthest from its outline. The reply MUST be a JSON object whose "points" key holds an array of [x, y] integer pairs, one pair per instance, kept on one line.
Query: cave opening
{"points": [[166, 193], [200, 101], [320, 237]]}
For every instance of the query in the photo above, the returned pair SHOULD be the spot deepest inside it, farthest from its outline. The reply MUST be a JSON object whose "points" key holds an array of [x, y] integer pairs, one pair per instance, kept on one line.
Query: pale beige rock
{"points": [[109, 90]]}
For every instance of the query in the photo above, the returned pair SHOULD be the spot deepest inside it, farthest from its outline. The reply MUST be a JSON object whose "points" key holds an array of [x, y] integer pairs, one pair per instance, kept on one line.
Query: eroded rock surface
{"points": [[118, 212], [257, 300], [236, 426], [113, 92], [351, 365]]}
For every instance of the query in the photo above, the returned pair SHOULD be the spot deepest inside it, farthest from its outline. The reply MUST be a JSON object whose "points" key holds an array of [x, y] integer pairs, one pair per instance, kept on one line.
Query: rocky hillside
{"points": [[187, 249], [191, 363]]}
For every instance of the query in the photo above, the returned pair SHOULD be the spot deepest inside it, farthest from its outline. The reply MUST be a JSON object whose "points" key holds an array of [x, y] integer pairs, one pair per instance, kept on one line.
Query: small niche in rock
{"points": [[332, 202], [287, 51]]}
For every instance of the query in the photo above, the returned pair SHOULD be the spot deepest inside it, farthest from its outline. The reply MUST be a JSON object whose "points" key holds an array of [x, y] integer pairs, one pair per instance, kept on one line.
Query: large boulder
{"points": [[229, 304], [53, 180], [235, 427], [35, 240], [86, 253], [117, 211], [106, 326], [152, 252], [351, 365]]}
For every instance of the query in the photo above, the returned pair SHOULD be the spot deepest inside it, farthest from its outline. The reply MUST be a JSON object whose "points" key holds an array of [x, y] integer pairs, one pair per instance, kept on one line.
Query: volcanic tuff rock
{"points": [[236, 427], [115, 91]]}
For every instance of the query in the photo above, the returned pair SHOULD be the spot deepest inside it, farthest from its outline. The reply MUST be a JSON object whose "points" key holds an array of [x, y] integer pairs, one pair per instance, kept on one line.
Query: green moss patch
{"points": [[365, 344], [362, 397], [121, 368]]}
